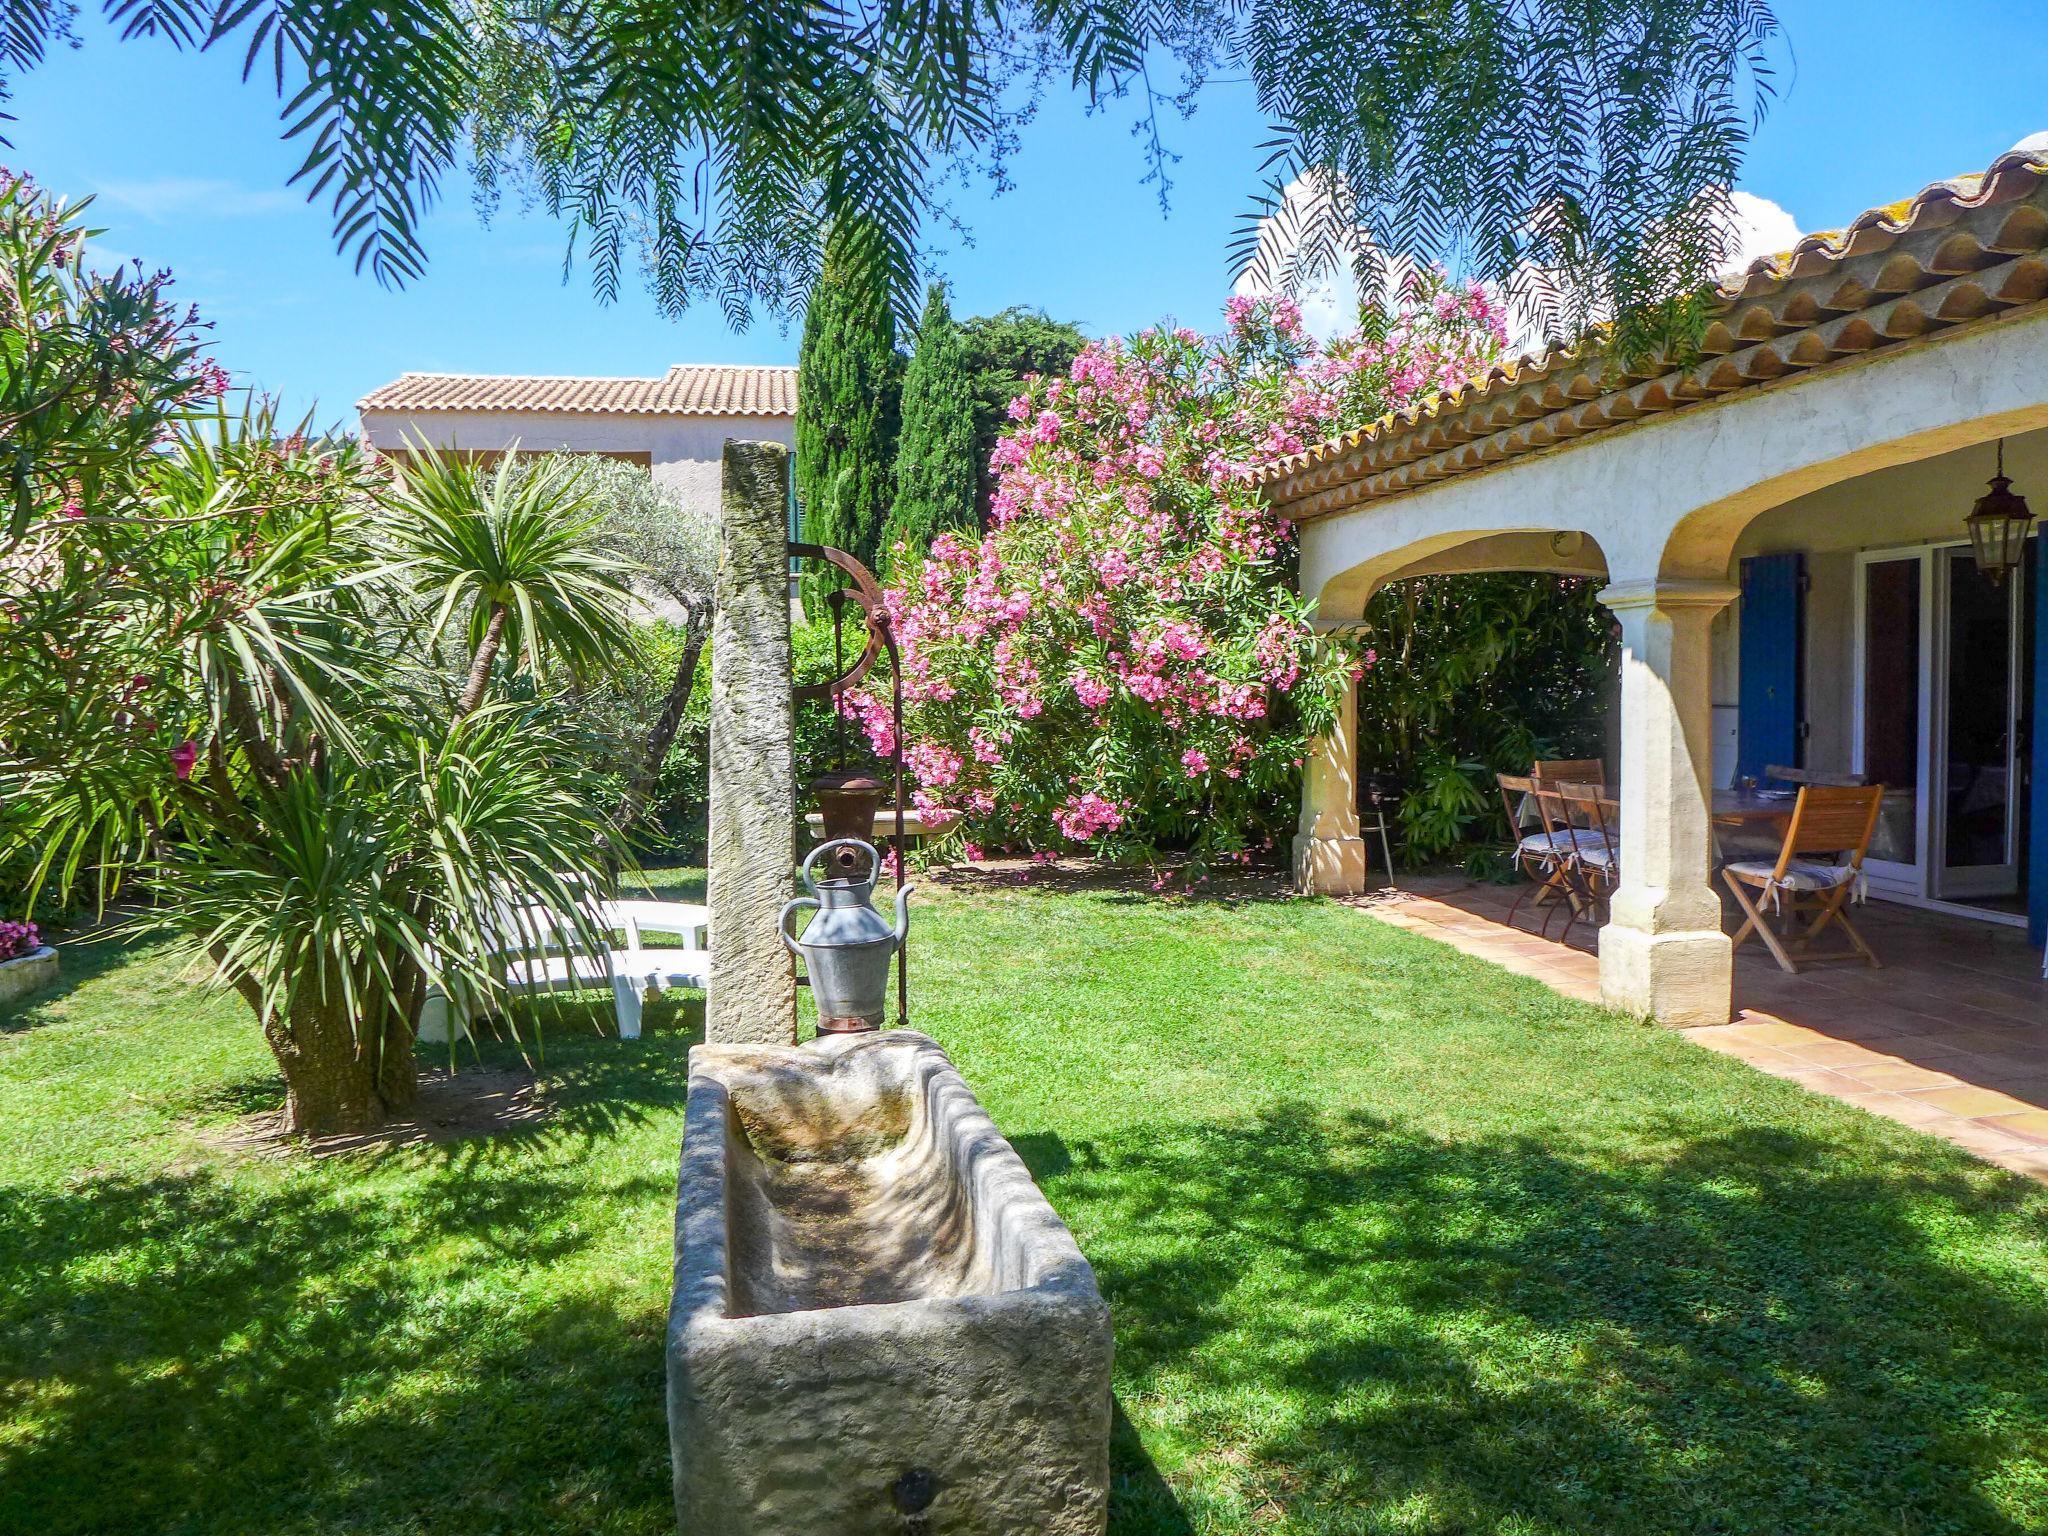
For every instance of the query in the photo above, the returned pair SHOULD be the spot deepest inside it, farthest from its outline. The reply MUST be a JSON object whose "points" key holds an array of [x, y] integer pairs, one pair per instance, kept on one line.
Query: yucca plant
{"points": [[514, 553], [279, 688]]}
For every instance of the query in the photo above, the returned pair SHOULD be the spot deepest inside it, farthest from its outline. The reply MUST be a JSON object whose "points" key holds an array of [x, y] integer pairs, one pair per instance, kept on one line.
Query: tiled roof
{"points": [[687, 389], [1959, 251]]}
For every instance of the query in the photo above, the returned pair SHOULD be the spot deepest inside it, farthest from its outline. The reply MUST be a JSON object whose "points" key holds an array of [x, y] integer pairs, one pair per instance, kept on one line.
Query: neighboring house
{"points": [[677, 425], [1780, 528]]}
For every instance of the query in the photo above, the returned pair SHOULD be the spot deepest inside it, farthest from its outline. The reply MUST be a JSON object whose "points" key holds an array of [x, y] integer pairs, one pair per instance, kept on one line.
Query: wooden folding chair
{"points": [[1784, 775], [1815, 876], [1545, 856], [1594, 868]]}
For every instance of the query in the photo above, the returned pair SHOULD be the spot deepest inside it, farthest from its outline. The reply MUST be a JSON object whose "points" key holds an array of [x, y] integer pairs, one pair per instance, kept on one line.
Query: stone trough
{"points": [[879, 1325]]}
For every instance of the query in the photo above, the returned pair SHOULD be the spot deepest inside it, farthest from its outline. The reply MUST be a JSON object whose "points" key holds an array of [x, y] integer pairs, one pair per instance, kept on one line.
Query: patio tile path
{"points": [[1951, 1037]]}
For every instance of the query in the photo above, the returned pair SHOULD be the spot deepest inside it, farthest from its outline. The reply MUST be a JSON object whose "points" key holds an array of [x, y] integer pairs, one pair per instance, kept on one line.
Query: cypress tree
{"points": [[936, 472], [847, 381]]}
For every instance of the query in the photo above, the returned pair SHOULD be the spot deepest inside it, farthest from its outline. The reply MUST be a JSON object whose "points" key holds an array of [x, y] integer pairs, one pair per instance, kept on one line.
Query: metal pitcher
{"points": [[847, 947]]}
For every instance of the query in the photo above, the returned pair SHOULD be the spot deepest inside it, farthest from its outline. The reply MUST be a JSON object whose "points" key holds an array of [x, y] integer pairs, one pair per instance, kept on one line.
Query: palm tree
{"points": [[255, 712], [721, 142], [517, 552]]}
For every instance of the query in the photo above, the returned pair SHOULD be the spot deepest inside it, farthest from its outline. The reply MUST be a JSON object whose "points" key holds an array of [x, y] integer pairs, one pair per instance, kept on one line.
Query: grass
{"points": [[1394, 1242]]}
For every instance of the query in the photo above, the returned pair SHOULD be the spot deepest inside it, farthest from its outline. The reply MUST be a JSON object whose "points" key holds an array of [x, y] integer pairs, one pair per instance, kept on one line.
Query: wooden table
{"points": [[1747, 810], [1748, 807]]}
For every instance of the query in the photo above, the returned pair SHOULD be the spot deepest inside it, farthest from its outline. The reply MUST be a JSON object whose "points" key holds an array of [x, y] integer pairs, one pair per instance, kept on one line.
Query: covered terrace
{"points": [[1778, 527]]}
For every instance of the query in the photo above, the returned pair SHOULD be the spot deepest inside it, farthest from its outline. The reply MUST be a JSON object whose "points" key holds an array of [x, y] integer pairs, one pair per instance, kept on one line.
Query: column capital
{"points": [[1710, 595]]}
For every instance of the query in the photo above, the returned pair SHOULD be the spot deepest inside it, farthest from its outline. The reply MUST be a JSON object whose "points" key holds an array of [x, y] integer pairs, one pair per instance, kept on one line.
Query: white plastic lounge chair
{"points": [[535, 961]]}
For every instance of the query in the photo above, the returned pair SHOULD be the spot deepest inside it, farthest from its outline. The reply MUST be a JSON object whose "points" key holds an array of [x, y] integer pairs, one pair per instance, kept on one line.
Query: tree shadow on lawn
{"points": [[1337, 1323], [182, 1354]]}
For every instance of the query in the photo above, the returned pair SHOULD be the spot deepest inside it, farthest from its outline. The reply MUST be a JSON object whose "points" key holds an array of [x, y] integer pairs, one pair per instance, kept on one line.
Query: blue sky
{"points": [[191, 175]]}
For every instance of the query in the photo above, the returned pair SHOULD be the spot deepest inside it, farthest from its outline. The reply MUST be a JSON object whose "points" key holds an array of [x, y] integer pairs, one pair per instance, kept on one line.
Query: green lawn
{"points": [[1394, 1242]]}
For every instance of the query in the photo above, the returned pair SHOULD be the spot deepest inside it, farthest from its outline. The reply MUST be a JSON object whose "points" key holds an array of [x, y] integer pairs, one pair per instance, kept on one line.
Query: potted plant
{"points": [[27, 964]]}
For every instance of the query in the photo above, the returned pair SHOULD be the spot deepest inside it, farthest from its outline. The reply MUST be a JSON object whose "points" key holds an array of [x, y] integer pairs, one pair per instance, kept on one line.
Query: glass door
{"points": [[1894, 631], [1975, 826]]}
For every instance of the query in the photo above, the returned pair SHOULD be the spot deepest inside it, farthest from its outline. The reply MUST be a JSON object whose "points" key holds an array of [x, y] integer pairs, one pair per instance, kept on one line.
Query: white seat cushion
{"points": [[1799, 875], [1598, 854], [1567, 839]]}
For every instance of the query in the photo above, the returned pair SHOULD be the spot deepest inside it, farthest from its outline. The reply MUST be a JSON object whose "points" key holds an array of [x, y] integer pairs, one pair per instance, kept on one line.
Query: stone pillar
{"points": [[753, 763], [1663, 953], [1329, 855]]}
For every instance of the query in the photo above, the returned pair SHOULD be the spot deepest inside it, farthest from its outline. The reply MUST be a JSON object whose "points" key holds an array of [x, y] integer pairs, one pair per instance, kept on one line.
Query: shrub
{"points": [[1120, 662], [1476, 676]]}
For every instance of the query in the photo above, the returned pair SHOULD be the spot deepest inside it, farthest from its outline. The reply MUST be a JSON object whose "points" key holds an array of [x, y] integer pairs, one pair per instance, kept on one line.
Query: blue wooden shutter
{"points": [[1772, 662]]}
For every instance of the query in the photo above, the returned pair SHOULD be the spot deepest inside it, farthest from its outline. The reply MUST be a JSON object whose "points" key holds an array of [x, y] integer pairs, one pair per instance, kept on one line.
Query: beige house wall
{"points": [[683, 452]]}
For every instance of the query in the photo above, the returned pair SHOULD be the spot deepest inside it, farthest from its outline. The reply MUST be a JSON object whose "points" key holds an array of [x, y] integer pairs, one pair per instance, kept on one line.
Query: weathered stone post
{"points": [[753, 765]]}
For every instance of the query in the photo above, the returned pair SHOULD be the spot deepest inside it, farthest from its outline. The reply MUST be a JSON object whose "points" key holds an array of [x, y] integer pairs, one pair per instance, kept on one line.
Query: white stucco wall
{"points": [[683, 452]]}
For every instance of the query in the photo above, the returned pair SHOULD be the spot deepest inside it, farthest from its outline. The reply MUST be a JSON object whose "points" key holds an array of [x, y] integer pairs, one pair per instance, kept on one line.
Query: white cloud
{"points": [[1329, 299], [1762, 228], [170, 196]]}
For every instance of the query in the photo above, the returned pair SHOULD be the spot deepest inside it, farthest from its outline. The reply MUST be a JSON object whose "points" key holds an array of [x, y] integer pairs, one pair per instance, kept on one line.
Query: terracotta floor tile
{"points": [[1903, 1076], [1845, 1054], [1820, 1080], [1971, 1102], [2032, 1124], [1777, 1032], [1954, 1027], [2031, 1087]]}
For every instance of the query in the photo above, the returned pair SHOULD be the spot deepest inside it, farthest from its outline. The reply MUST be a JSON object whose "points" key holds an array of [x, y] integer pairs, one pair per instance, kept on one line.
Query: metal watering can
{"points": [[847, 947]]}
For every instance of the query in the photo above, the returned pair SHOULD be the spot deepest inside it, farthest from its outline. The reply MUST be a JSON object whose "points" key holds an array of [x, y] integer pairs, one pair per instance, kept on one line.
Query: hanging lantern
{"points": [[1998, 526]]}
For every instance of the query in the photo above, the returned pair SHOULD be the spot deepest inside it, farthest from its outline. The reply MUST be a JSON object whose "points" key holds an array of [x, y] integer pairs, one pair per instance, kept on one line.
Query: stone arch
{"points": [[1342, 596], [1951, 394]]}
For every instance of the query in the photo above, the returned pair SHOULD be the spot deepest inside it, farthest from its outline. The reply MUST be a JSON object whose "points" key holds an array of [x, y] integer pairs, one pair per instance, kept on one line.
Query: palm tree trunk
{"points": [[330, 1077], [481, 663], [655, 751]]}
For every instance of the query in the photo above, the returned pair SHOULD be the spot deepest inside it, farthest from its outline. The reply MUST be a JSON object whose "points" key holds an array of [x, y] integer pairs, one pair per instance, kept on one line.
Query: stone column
{"points": [[753, 764], [1329, 855], [1662, 952]]}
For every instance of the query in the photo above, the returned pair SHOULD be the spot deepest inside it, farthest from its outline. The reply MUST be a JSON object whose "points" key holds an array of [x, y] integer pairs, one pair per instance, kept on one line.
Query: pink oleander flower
{"points": [[183, 756], [1129, 558]]}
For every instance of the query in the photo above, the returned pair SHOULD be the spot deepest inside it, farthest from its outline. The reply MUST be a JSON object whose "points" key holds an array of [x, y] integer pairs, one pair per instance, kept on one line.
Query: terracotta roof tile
{"points": [[687, 389], [1957, 250]]}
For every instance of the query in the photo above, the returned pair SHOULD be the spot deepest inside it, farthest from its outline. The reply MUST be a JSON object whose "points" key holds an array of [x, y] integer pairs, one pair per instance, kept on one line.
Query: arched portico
{"points": [[1902, 340]]}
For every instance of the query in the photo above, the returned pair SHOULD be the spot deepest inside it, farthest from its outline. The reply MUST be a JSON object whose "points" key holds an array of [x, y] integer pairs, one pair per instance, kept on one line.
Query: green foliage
{"points": [[937, 473], [1473, 676], [1593, 143], [679, 803], [93, 367], [233, 682], [1000, 352], [518, 542], [848, 384]]}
